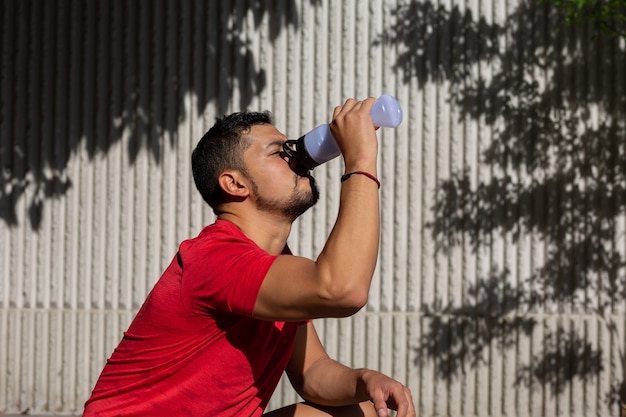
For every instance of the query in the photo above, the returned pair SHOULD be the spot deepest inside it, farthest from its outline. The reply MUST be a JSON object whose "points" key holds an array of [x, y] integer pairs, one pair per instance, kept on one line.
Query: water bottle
{"points": [[318, 146]]}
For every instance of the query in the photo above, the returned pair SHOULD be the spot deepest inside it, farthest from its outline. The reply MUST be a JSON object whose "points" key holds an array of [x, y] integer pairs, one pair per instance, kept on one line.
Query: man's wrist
{"points": [[372, 177]]}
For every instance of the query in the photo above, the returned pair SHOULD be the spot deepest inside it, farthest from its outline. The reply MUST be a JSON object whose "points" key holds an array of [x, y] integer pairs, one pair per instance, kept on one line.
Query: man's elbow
{"points": [[356, 301], [348, 301]]}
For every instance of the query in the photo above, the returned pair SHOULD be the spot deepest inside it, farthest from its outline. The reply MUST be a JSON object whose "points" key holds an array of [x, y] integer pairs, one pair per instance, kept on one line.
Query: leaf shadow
{"points": [[552, 140], [82, 75]]}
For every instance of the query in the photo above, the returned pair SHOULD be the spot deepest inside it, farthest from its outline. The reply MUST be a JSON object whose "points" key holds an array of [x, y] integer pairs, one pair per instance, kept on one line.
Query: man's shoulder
{"points": [[220, 234]]}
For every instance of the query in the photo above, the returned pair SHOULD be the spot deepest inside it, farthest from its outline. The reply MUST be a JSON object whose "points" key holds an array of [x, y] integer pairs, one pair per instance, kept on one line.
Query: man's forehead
{"points": [[264, 135]]}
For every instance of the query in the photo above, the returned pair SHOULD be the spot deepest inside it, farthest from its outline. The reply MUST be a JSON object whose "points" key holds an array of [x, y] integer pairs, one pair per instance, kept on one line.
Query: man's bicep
{"points": [[290, 290], [297, 288]]}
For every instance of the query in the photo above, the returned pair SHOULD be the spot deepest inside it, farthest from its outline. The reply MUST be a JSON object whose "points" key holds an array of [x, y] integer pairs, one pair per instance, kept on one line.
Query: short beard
{"points": [[299, 203]]}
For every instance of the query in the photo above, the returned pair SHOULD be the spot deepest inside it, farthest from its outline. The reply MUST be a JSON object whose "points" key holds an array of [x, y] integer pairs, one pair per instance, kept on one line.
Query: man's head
{"points": [[248, 144], [221, 149]]}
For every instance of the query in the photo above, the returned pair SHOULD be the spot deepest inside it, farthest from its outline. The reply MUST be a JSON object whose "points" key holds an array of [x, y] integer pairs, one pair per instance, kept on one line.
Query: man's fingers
{"points": [[405, 404], [399, 398], [368, 103], [354, 105], [381, 407], [347, 106]]}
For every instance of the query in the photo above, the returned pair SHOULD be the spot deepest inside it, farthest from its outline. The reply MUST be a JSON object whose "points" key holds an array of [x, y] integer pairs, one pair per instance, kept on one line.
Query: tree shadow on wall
{"points": [[81, 74], [558, 161]]}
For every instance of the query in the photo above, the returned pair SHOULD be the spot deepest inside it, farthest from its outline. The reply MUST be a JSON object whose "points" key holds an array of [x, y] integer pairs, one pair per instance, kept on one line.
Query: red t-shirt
{"points": [[194, 349]]}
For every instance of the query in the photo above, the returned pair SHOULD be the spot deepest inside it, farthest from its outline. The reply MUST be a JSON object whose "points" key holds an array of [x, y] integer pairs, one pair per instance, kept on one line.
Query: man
{"points": [[234, 308]]}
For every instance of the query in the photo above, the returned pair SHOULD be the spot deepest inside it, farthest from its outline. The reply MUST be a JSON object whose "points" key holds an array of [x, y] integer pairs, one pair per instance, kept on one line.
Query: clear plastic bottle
{"points": [[319, 146]]}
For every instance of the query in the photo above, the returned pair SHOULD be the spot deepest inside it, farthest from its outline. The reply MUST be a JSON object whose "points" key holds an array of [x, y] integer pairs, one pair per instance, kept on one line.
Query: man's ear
{"points": [[234, 184]]}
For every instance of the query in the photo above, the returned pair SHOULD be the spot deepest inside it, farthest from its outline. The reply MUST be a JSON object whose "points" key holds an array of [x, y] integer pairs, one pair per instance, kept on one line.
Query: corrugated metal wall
{"points": [[501, 281]]}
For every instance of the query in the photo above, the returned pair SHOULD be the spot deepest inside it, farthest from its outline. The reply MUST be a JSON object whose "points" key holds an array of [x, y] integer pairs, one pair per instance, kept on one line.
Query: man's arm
{"points": [[324, 381], [337, 283]]}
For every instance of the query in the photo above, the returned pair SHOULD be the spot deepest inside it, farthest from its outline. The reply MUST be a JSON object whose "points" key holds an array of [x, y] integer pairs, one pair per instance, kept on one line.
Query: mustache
{"points": [[301, 170], [314, 188]]}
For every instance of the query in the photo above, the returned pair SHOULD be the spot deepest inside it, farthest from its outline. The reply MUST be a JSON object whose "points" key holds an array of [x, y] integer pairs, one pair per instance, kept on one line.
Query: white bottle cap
{"points": [[386, 112]]}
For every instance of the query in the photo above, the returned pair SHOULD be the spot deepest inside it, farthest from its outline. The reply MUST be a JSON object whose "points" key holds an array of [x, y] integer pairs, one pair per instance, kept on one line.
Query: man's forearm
{"points": [[330, 383], [349, 257]]}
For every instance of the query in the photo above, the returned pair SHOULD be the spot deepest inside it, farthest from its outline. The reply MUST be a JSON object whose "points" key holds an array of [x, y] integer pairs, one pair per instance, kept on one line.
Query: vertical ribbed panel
{"points": [[501, 277]]}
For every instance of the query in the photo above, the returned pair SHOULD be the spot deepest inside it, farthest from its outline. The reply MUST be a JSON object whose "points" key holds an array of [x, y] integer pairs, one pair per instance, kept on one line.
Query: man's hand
{"points": [[387, 393], [355, 134], [323, 381]]}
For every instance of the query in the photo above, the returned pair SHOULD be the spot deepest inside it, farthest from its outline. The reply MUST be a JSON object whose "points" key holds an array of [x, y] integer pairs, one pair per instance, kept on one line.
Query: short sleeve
{"points": [[223, 273]]}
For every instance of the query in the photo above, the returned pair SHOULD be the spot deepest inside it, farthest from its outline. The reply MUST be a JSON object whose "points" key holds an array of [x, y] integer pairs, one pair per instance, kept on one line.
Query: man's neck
{"points": [[268, 231]]}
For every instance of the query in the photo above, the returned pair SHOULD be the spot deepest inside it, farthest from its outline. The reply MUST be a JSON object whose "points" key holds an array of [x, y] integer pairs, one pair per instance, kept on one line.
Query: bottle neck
{"points": [[299, 158]]}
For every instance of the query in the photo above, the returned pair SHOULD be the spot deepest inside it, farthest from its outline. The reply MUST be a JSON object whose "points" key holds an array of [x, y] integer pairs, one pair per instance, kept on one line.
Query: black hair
{"points": [[221, 149]]}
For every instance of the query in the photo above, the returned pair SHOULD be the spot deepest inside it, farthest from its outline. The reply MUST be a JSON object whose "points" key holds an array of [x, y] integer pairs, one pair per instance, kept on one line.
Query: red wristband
{"points": [[367, 174]]}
